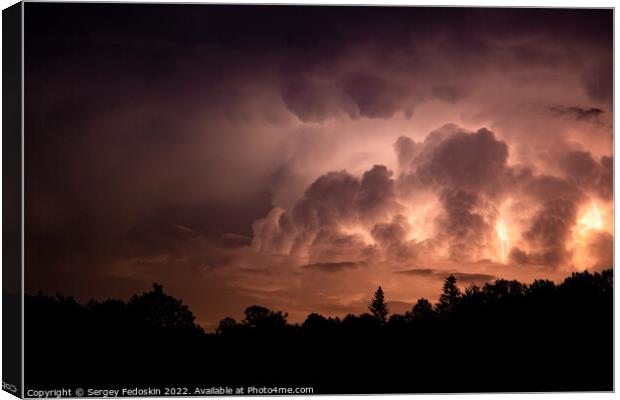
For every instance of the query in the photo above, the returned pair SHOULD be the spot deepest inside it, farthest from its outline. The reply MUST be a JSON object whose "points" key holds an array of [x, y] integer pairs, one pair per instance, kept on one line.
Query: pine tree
{"points": [[450, 295], [378, 306]]}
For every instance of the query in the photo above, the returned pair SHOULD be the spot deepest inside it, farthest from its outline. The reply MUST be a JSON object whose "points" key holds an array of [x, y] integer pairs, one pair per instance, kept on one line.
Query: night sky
{"points": [[299, 157]]}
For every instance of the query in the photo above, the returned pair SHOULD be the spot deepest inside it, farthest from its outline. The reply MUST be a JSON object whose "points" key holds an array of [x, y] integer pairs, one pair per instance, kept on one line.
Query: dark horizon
{"points": [[402, 309], [561, 335]]}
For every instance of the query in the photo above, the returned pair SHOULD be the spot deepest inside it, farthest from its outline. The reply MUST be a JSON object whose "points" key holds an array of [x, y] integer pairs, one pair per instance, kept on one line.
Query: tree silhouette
{"points": [[541, 288], [422, 310], [262, 317], [566, 330], [449, 296], [227, 326], [378, 307], [159, 309]]}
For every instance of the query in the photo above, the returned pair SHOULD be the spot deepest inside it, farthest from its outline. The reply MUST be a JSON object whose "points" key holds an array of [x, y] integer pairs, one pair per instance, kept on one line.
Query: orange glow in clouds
{"points": [[590, 222], [502, 236], [591, 219]]}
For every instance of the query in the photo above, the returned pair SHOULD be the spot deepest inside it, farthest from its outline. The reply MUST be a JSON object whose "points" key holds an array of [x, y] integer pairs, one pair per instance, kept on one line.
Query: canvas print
{"points": [[304, 200]]}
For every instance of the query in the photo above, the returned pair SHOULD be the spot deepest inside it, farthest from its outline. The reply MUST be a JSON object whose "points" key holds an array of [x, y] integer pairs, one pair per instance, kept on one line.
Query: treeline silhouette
{"points": [[503, 336]]}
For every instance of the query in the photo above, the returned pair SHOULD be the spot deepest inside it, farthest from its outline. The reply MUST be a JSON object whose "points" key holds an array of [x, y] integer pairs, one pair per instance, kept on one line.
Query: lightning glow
{"points": [[591, 219], [502, 236], [590, 222]]}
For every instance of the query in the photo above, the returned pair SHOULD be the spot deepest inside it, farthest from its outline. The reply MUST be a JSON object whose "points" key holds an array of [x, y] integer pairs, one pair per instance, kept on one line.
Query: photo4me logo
{"points": [[264, 390]]}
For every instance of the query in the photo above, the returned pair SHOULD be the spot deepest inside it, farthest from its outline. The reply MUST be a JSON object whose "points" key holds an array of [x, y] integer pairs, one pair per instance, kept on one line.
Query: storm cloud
{"points": [[298, 156], [468, 175]]}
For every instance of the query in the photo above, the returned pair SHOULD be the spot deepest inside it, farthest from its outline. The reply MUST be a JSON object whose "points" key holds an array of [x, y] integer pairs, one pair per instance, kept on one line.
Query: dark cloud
{"points": [[471, 161], [412, 154], [315, 102], [376, 198], [465, 227], [598, 82], [329, 200], [393, 233], [314, 97], [473, 278], [417, 271], [449, 93], [548, 234], [588, 174], [578, 113], [392, 237], [375, 97], [397, 74], [335, 266], [462, 277], [582, 168], [545, 189]]}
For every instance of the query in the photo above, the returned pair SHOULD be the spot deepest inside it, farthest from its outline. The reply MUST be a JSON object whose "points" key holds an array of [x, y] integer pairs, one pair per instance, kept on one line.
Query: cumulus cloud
{"points": [[471, 161], [334, 217], [329, 200], [548, 234], [589, 174], [393, 238], [374, 218], [467, 230], [376, 199]]}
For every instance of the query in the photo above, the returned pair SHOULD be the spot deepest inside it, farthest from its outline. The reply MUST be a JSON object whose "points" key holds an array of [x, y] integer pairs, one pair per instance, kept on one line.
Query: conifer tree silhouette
{"points": [[450, 295], [378, 306]]}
